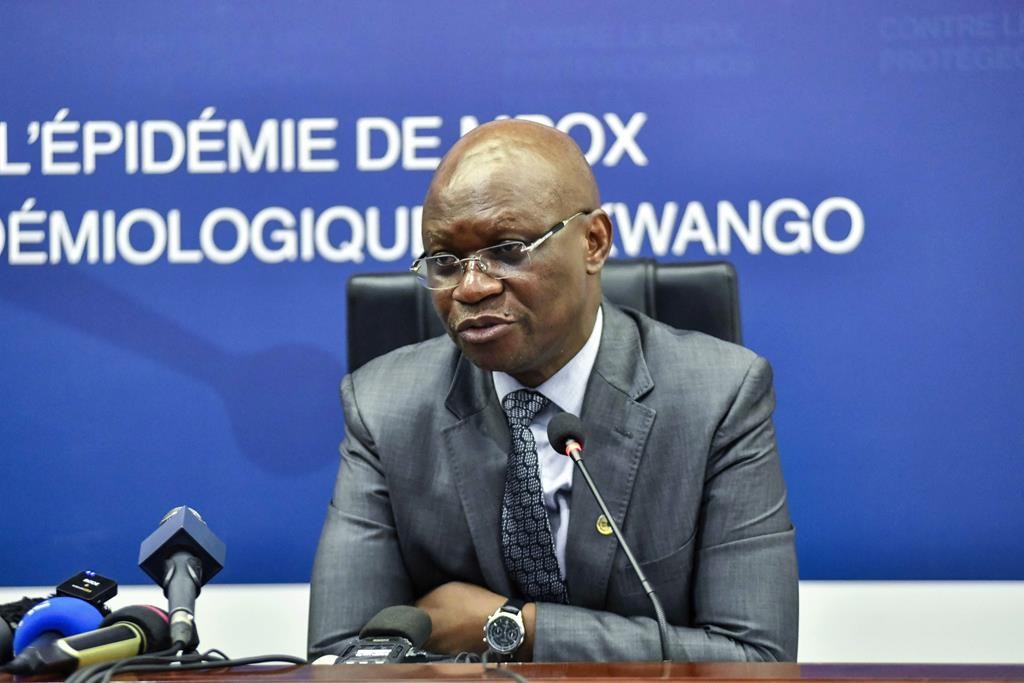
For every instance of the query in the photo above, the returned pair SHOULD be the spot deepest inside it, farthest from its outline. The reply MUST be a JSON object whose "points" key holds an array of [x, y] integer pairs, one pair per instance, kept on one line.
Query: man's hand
{"points": [[458, 612]]}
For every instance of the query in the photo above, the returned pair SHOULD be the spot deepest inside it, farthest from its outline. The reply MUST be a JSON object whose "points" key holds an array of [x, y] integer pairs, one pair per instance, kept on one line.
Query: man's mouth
{"points": [[480, 329]]}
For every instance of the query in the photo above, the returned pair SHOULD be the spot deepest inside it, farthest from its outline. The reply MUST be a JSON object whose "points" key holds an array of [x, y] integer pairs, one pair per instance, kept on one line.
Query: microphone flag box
{"points": [[182, 529]]}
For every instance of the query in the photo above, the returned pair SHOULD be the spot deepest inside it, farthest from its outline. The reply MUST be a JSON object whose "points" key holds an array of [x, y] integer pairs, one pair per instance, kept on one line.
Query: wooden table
{"points": [[691, 673]]}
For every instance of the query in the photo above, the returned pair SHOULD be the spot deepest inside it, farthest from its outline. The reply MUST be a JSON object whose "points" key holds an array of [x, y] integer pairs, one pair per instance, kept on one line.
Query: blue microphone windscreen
{"points": [[63, 616]]}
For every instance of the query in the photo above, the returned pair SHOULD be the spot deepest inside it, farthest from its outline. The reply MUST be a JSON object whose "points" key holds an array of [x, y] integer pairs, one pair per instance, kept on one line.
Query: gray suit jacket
{"points": [[681, 445]]}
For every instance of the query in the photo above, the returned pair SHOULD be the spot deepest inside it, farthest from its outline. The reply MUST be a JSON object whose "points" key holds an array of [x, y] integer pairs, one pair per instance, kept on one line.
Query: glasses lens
{"points": [[505, 259], [441, 271]]}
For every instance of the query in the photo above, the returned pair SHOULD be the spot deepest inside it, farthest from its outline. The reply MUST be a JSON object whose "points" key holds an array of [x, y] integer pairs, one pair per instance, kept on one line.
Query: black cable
{"points": [[202, 662], [216, 664], [85, 673], [158, 664], [169, 660]]}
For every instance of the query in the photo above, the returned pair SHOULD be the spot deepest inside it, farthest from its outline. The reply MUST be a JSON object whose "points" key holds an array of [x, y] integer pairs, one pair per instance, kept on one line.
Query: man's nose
{"points": [[475, 285]]}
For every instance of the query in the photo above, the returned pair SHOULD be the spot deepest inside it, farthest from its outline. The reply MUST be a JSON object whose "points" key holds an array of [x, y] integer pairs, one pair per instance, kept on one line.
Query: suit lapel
{"points": [[618, 427], [477, 448]]}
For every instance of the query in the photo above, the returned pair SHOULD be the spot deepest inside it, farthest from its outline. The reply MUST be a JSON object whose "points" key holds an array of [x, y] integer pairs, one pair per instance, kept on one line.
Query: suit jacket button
{"points": [[603, 527]]}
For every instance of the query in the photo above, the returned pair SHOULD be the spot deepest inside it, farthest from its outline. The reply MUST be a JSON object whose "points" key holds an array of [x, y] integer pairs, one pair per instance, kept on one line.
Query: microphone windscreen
{"points": [[63, 616], [152, 621], [563, 427], [403, 621]]}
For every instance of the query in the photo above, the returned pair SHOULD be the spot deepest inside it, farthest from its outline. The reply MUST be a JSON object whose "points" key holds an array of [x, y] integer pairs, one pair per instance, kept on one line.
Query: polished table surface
{"points": [[604, 671]]}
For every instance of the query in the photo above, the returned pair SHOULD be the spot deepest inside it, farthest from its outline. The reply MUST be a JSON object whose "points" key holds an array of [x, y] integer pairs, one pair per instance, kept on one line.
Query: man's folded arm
{"points": [[765, 632]]}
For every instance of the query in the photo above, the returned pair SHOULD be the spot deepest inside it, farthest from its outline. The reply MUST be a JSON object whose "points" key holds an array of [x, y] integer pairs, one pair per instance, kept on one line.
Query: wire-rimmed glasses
{"points": [[503, 260]]}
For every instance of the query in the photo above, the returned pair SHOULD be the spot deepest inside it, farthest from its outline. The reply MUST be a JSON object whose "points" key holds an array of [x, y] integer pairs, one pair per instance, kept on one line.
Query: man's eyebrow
{"points": [[433, 236], [505, 228]]}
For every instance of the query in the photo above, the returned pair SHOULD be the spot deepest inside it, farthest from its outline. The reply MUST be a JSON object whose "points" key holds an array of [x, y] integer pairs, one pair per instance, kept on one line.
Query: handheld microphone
{"points": [[392, 636], [54, 618], [6, 640], [181, 556], [566, 435], [129, 631]]}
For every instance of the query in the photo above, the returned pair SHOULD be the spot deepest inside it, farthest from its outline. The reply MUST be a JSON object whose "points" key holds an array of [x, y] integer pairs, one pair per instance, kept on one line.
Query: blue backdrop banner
{"points": [[185, 189]]}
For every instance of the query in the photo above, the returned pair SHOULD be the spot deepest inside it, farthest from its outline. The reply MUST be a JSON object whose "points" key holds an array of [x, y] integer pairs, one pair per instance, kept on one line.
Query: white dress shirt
{"points": [[565, 391]]}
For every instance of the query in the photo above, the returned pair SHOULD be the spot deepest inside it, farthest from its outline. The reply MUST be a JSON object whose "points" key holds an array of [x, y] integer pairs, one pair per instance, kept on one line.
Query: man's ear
{"points": [[599, 240]]}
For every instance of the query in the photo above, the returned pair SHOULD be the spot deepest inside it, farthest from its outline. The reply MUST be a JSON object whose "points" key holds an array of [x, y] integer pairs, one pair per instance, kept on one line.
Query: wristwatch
{"points": [[504, 631]]}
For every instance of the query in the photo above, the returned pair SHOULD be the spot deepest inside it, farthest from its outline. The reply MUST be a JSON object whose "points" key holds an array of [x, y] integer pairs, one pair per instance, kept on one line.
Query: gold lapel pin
{"points": [[603, 527]]}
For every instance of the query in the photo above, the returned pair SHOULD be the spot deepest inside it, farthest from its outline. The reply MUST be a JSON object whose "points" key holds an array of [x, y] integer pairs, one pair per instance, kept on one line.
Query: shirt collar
{"points": [[566, 387]]}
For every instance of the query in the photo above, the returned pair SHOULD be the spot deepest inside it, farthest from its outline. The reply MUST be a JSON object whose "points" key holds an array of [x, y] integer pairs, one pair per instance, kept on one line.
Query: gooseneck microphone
{"points": [[129, 631], [181, 556], [566, 435]]}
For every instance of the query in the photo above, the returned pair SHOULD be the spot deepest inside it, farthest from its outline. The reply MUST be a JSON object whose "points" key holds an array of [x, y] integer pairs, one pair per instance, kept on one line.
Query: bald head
{"points": [[502, 154], [516, 204]]}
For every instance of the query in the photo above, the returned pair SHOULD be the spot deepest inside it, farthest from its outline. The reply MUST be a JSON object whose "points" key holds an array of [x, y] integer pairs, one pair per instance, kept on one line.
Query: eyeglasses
{"points": [[511, 257]]}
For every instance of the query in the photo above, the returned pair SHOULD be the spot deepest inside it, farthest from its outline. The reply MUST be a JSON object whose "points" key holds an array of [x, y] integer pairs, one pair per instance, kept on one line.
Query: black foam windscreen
{"points": [[563, 427], [153, 622], [403, 621], [13, 612]]}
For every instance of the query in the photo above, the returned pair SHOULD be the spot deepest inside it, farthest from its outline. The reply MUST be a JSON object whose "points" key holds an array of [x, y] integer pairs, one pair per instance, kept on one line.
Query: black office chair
{"points": [[389, 310]]}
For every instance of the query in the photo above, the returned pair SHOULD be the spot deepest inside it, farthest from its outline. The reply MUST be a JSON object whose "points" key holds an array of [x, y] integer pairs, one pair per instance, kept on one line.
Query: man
{"points": [[438, 503]]}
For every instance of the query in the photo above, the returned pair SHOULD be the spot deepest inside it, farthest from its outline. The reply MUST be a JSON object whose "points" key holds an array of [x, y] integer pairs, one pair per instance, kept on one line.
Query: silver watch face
{"points": [[504, 634]]}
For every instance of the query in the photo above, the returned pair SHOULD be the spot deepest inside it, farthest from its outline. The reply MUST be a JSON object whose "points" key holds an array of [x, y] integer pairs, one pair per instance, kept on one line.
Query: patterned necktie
{"points": [[526, 541]]}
